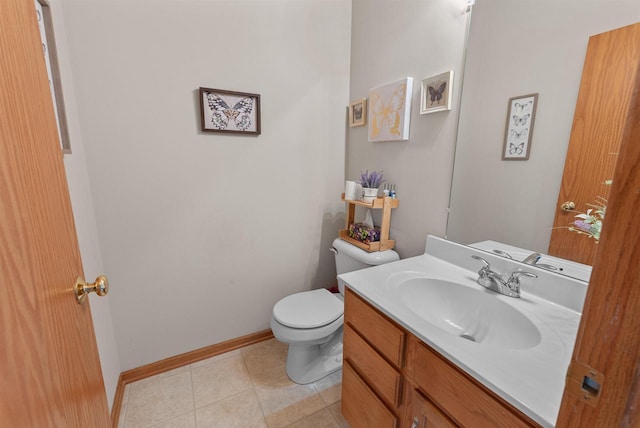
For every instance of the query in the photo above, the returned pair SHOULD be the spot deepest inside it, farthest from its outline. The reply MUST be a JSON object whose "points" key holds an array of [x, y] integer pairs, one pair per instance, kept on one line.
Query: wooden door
{"points": [[608, 342], [608, 78], [49, 368]]}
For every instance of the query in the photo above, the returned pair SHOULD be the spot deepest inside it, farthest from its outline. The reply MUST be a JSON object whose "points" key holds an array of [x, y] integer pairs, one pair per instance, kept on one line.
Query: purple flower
{"points": [[580, 224], [372, 180]]}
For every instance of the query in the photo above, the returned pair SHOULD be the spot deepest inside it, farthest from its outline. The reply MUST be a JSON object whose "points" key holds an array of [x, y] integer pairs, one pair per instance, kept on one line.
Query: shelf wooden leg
{"points": [[386, 223], [351, 214]]}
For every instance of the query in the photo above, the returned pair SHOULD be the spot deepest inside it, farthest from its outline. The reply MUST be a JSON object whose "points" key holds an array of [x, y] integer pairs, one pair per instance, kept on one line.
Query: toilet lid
{"points": [[308, 309]]}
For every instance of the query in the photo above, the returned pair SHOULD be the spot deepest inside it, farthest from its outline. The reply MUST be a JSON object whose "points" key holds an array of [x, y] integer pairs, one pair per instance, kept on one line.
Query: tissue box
{"points": [[363, 233]]}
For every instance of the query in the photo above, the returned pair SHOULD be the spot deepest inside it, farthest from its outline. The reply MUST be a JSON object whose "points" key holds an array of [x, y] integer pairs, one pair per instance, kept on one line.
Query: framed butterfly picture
{"points": [[390, 111], [436, 93], [521, 114], [229, 111], [358, 113]]}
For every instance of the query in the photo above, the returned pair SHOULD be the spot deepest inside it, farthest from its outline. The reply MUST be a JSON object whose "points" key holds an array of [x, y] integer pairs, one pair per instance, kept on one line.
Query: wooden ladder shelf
{"points": [[386, 204]]}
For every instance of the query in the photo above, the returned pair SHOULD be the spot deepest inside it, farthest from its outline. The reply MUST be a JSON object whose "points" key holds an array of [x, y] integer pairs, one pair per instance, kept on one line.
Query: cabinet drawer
{"points": [[378, 373], [385, 336], [360, 406], [465, 400], [425, 415]]}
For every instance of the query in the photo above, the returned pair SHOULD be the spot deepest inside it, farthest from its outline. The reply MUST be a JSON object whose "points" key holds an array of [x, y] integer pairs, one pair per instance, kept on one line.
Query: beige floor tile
{"points": [[330, 387], [321, 419], [188, 420], [152, 379], [219, 379], [265, 361], [336, 411], [217, 358], [154, 402], [241, 410], [245, 387], [284, 402]]}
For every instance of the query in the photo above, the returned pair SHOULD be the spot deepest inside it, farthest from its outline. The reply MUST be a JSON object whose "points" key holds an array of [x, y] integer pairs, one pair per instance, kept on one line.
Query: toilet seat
{"points": [[309, 309]]}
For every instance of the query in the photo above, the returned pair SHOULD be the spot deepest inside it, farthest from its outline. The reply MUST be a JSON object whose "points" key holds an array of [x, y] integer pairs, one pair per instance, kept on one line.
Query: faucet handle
{"points": [[503, 254], [514, 279], [484, 270], [513, 283], [516, 275], [486, 263]]}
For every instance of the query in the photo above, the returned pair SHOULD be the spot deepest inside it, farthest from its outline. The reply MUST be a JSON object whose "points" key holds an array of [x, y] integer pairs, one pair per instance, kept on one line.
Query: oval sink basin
{"points": [[470, 314]]}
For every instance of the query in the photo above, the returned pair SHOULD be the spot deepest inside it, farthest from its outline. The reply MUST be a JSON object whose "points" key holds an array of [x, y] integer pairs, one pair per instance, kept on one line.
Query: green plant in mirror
{"points": [[589, 223]]}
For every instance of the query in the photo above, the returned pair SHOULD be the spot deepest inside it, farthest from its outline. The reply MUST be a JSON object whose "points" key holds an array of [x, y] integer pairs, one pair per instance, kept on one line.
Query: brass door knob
{"points": [[82, 289], [568, 206]]}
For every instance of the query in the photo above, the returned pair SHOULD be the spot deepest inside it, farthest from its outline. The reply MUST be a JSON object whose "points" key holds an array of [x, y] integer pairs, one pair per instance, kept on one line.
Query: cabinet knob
{"points": [[416, 423]]}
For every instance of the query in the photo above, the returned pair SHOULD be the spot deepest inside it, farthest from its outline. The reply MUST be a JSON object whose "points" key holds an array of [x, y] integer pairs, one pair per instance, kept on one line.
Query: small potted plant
{"points": [[370, 183]]}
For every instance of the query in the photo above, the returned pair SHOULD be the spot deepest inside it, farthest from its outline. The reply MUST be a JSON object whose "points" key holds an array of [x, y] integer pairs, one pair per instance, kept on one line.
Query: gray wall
{"points": [[202, 233], [391, 40], [517, 48]]}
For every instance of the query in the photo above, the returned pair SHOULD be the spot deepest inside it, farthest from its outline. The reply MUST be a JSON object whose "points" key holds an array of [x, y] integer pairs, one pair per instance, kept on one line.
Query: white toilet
{"points": [[310, 322]]}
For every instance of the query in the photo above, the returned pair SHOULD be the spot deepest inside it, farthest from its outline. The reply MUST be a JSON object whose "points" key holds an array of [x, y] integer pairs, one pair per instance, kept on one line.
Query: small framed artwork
{"points": [[521, 115], [358, 113], [229, 111], [390, 111], [436, 93]]}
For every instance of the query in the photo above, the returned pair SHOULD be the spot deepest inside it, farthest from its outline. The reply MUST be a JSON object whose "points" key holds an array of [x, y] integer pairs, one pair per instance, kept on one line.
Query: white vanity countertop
{"points": [[533, 379]]}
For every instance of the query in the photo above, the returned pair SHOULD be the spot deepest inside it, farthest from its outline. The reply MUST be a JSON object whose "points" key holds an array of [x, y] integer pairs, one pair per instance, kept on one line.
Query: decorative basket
{"points": [[363, 233]]}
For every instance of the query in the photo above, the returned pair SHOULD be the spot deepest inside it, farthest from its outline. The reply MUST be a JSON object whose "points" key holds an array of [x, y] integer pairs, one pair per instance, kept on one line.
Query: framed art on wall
{"points": [[358, 113], [229, 111], [45, 25], [390, 111], [436, 93], [521, 115]]}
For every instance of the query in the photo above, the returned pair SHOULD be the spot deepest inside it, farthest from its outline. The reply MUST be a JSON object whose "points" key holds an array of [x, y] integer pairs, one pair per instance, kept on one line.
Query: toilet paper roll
{"points": [[352, 191]]}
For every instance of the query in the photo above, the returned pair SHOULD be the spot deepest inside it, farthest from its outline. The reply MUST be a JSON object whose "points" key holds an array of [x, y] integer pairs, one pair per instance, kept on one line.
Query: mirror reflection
{"points": [[514, 49]]}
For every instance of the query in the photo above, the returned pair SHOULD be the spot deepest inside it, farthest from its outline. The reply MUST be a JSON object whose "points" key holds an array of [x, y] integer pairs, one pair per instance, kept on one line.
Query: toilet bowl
{"points": [[311, 322]]}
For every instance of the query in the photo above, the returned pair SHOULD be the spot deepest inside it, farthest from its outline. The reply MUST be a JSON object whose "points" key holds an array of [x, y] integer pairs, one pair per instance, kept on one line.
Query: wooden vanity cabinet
{"points": [[392, 379], [373, 356]]}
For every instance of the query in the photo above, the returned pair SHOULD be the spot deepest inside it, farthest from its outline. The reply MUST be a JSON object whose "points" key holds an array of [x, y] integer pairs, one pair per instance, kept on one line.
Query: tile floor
{"points": [[244, 388]]}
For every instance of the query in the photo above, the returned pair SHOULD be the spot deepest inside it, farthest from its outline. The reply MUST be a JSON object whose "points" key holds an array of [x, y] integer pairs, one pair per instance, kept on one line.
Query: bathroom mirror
{"points": [[514, 49]]}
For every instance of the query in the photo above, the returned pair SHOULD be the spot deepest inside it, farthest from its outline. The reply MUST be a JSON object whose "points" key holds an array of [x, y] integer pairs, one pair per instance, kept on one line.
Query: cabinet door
{"points": [[426, 415]]}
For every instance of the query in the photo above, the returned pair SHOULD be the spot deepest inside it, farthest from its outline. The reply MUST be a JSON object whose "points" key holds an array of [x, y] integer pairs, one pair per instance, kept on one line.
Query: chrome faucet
{"points": [[495, 282], [532, 259]]}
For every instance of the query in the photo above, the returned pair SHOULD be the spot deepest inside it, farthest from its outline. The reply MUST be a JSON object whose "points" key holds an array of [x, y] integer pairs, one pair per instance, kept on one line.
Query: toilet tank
{"points": [[350, 258]]}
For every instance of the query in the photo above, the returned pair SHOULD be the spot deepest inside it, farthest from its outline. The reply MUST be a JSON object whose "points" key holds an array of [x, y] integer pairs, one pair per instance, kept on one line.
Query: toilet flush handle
{"points": [[333, 250]]}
